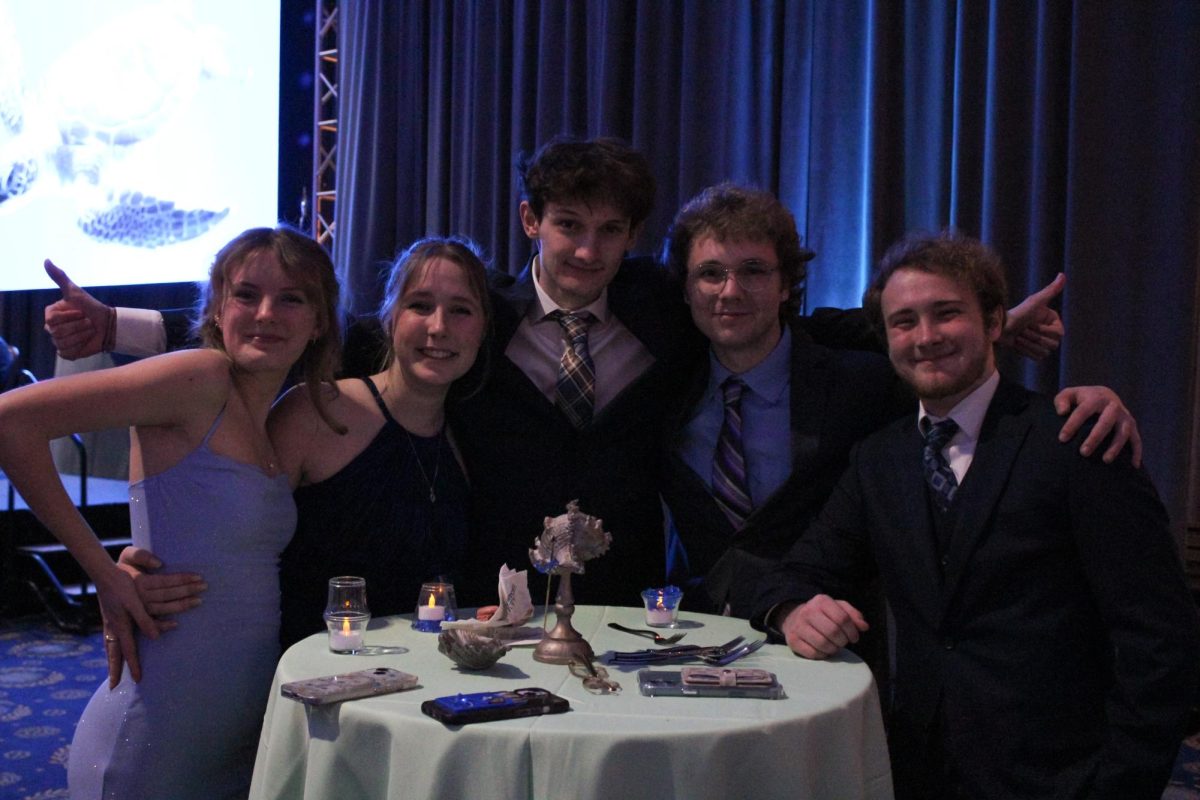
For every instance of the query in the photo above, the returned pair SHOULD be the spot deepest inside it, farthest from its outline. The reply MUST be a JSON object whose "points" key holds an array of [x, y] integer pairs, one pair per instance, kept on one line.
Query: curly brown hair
{"points": [[603, 170], [729, 212], [955, 255]]}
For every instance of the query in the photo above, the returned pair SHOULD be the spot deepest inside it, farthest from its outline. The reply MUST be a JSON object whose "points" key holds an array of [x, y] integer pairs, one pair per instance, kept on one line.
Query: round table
{"points": [[825, 740]]}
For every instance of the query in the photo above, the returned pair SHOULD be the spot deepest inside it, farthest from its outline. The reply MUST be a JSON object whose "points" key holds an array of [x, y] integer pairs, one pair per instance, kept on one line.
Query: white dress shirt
{"points": [[140, 332], [618, 358], [968, 413]]}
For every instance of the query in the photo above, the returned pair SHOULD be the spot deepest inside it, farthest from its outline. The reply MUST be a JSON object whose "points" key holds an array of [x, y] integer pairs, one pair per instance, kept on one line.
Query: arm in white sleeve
{"points": [[140, 332]]}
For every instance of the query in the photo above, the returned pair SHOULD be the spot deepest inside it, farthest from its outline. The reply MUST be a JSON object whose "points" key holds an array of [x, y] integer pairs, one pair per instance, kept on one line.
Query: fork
{"points": [[733, 655], [648, 634], [672, 653]]}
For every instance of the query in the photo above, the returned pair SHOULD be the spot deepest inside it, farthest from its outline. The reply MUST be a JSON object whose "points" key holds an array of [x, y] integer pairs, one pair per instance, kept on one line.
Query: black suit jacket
{"points": [[526, 461], [836, 398], [1051, 651]]}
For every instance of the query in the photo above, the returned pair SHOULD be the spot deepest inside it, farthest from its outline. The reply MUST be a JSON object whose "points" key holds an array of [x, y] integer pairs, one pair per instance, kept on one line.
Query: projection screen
{"points": [[136, 137]]}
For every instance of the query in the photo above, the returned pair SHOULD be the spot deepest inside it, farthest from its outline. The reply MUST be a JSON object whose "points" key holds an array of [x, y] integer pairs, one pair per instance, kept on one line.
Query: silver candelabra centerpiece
{"points": [[566, 542]]}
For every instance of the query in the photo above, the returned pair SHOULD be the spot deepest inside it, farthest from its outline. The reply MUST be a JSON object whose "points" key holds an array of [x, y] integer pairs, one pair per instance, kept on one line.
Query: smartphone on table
{"points": [[462, 709], [350, 686], [710, 682]]}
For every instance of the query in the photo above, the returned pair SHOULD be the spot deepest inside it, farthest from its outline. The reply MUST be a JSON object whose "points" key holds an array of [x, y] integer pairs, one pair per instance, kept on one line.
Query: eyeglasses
{"points": [[753, 276], [595, 679]]}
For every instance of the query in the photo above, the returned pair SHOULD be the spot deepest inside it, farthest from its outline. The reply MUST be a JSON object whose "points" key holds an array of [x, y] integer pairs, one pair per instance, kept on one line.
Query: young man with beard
{"points": [[1045, 640]]}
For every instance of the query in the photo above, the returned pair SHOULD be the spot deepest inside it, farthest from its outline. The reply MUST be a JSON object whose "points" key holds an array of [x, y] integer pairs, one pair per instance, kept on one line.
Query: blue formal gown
{"points": [[190, 728]]}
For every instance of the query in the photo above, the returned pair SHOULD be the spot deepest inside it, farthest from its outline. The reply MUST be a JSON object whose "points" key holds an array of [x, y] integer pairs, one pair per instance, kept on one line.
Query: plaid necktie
{"points": [[729, 486], [575, 391], [937, 470]]}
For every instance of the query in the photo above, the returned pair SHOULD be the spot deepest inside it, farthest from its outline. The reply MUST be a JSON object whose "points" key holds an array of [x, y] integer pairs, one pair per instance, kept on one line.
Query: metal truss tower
{"points": [[325, 124]]}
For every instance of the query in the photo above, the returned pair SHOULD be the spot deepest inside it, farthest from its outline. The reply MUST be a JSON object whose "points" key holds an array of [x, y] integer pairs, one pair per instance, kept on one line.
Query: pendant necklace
{"points": [[437, 458], [437, 464]]}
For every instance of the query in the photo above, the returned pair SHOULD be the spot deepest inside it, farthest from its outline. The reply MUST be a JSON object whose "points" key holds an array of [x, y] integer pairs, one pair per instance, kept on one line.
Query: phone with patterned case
{"points": [[704, 683], [350, 686]]}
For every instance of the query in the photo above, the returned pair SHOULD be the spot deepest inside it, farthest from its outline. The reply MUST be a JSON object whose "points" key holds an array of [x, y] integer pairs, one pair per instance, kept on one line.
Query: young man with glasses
{"points": [[767, 416]]}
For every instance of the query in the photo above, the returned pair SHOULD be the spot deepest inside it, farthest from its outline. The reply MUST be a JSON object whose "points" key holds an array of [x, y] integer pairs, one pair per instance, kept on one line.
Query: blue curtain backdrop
{"points": [[1064, 133]]}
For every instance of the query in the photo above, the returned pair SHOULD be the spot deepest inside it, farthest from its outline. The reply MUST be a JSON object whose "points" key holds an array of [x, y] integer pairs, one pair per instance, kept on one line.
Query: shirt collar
{"points": [[968, 412], [543, 304], [768, 378]]}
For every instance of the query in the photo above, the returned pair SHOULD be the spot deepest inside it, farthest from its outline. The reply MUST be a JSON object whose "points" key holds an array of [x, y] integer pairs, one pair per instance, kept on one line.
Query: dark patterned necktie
{"points": [[938, 474], [729, 486], [575, 391]]}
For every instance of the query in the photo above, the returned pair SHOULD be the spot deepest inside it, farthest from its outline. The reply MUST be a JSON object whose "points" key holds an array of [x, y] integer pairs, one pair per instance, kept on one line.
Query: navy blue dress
{"points": [[374, 518]]}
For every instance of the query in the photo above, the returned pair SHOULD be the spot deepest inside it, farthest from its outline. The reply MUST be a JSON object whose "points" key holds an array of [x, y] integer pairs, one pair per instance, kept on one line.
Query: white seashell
{"points": [[470, 650]]}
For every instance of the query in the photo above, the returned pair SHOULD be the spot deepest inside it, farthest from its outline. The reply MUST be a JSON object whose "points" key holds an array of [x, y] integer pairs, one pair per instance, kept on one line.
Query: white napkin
{"points": [[516, 607]]}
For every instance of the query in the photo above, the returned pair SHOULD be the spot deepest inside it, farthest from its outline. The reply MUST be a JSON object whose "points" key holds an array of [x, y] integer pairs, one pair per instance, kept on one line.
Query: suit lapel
{"points": [[808, 394], [808, 397], [694, 381], [1000, 441], [511, 300], [903, 482]]}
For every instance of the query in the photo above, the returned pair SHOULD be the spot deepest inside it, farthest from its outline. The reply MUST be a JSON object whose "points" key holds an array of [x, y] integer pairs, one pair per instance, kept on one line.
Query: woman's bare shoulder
{"points": [[203, 368]]}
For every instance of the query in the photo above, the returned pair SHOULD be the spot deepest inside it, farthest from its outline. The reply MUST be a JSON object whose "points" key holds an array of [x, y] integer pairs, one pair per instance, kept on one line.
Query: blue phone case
{"points": [[462, 709]]}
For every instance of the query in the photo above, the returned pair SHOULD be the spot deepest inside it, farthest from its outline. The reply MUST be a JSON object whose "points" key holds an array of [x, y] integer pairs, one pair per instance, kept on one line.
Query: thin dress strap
{"points": [[213, 428], [379, 401]]}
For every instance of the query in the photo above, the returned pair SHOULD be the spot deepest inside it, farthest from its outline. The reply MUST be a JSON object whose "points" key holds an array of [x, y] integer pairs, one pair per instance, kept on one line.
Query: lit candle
{"points": [[658, 614], [431, 612], [662, 606], [348, 638]]}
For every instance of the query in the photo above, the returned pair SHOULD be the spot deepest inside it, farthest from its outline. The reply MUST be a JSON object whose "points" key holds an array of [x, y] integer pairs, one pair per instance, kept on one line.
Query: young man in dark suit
{"points": [[800, 406], [1045, 641], [582, 340]]}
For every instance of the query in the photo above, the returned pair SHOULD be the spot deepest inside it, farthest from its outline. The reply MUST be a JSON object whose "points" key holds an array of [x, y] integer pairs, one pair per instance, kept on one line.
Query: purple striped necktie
{"points": [[575, 390], [729, 486]]}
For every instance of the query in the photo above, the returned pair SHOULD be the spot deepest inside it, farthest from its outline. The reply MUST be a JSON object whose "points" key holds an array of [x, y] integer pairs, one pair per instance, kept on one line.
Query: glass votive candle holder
{"points": [[435, 604], [347, 593], [346, 630], [346, 613], [662, 606]]}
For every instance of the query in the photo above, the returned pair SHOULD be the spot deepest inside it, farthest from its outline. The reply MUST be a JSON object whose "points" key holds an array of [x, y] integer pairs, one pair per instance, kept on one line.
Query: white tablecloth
{"points": [[825, 740]]}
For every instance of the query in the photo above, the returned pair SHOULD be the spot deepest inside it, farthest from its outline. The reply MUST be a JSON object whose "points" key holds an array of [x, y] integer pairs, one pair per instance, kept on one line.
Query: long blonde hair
{"points": [[305, 262]]}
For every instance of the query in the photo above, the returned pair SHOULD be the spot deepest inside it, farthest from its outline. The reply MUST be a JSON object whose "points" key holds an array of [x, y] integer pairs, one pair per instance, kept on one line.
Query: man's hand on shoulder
{"points": [[1112, 417], [79, 324], [822, 626]]}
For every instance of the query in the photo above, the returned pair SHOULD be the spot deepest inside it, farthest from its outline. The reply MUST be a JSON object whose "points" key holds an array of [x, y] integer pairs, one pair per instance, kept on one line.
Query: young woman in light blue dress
{"points": [[207, 495]]}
